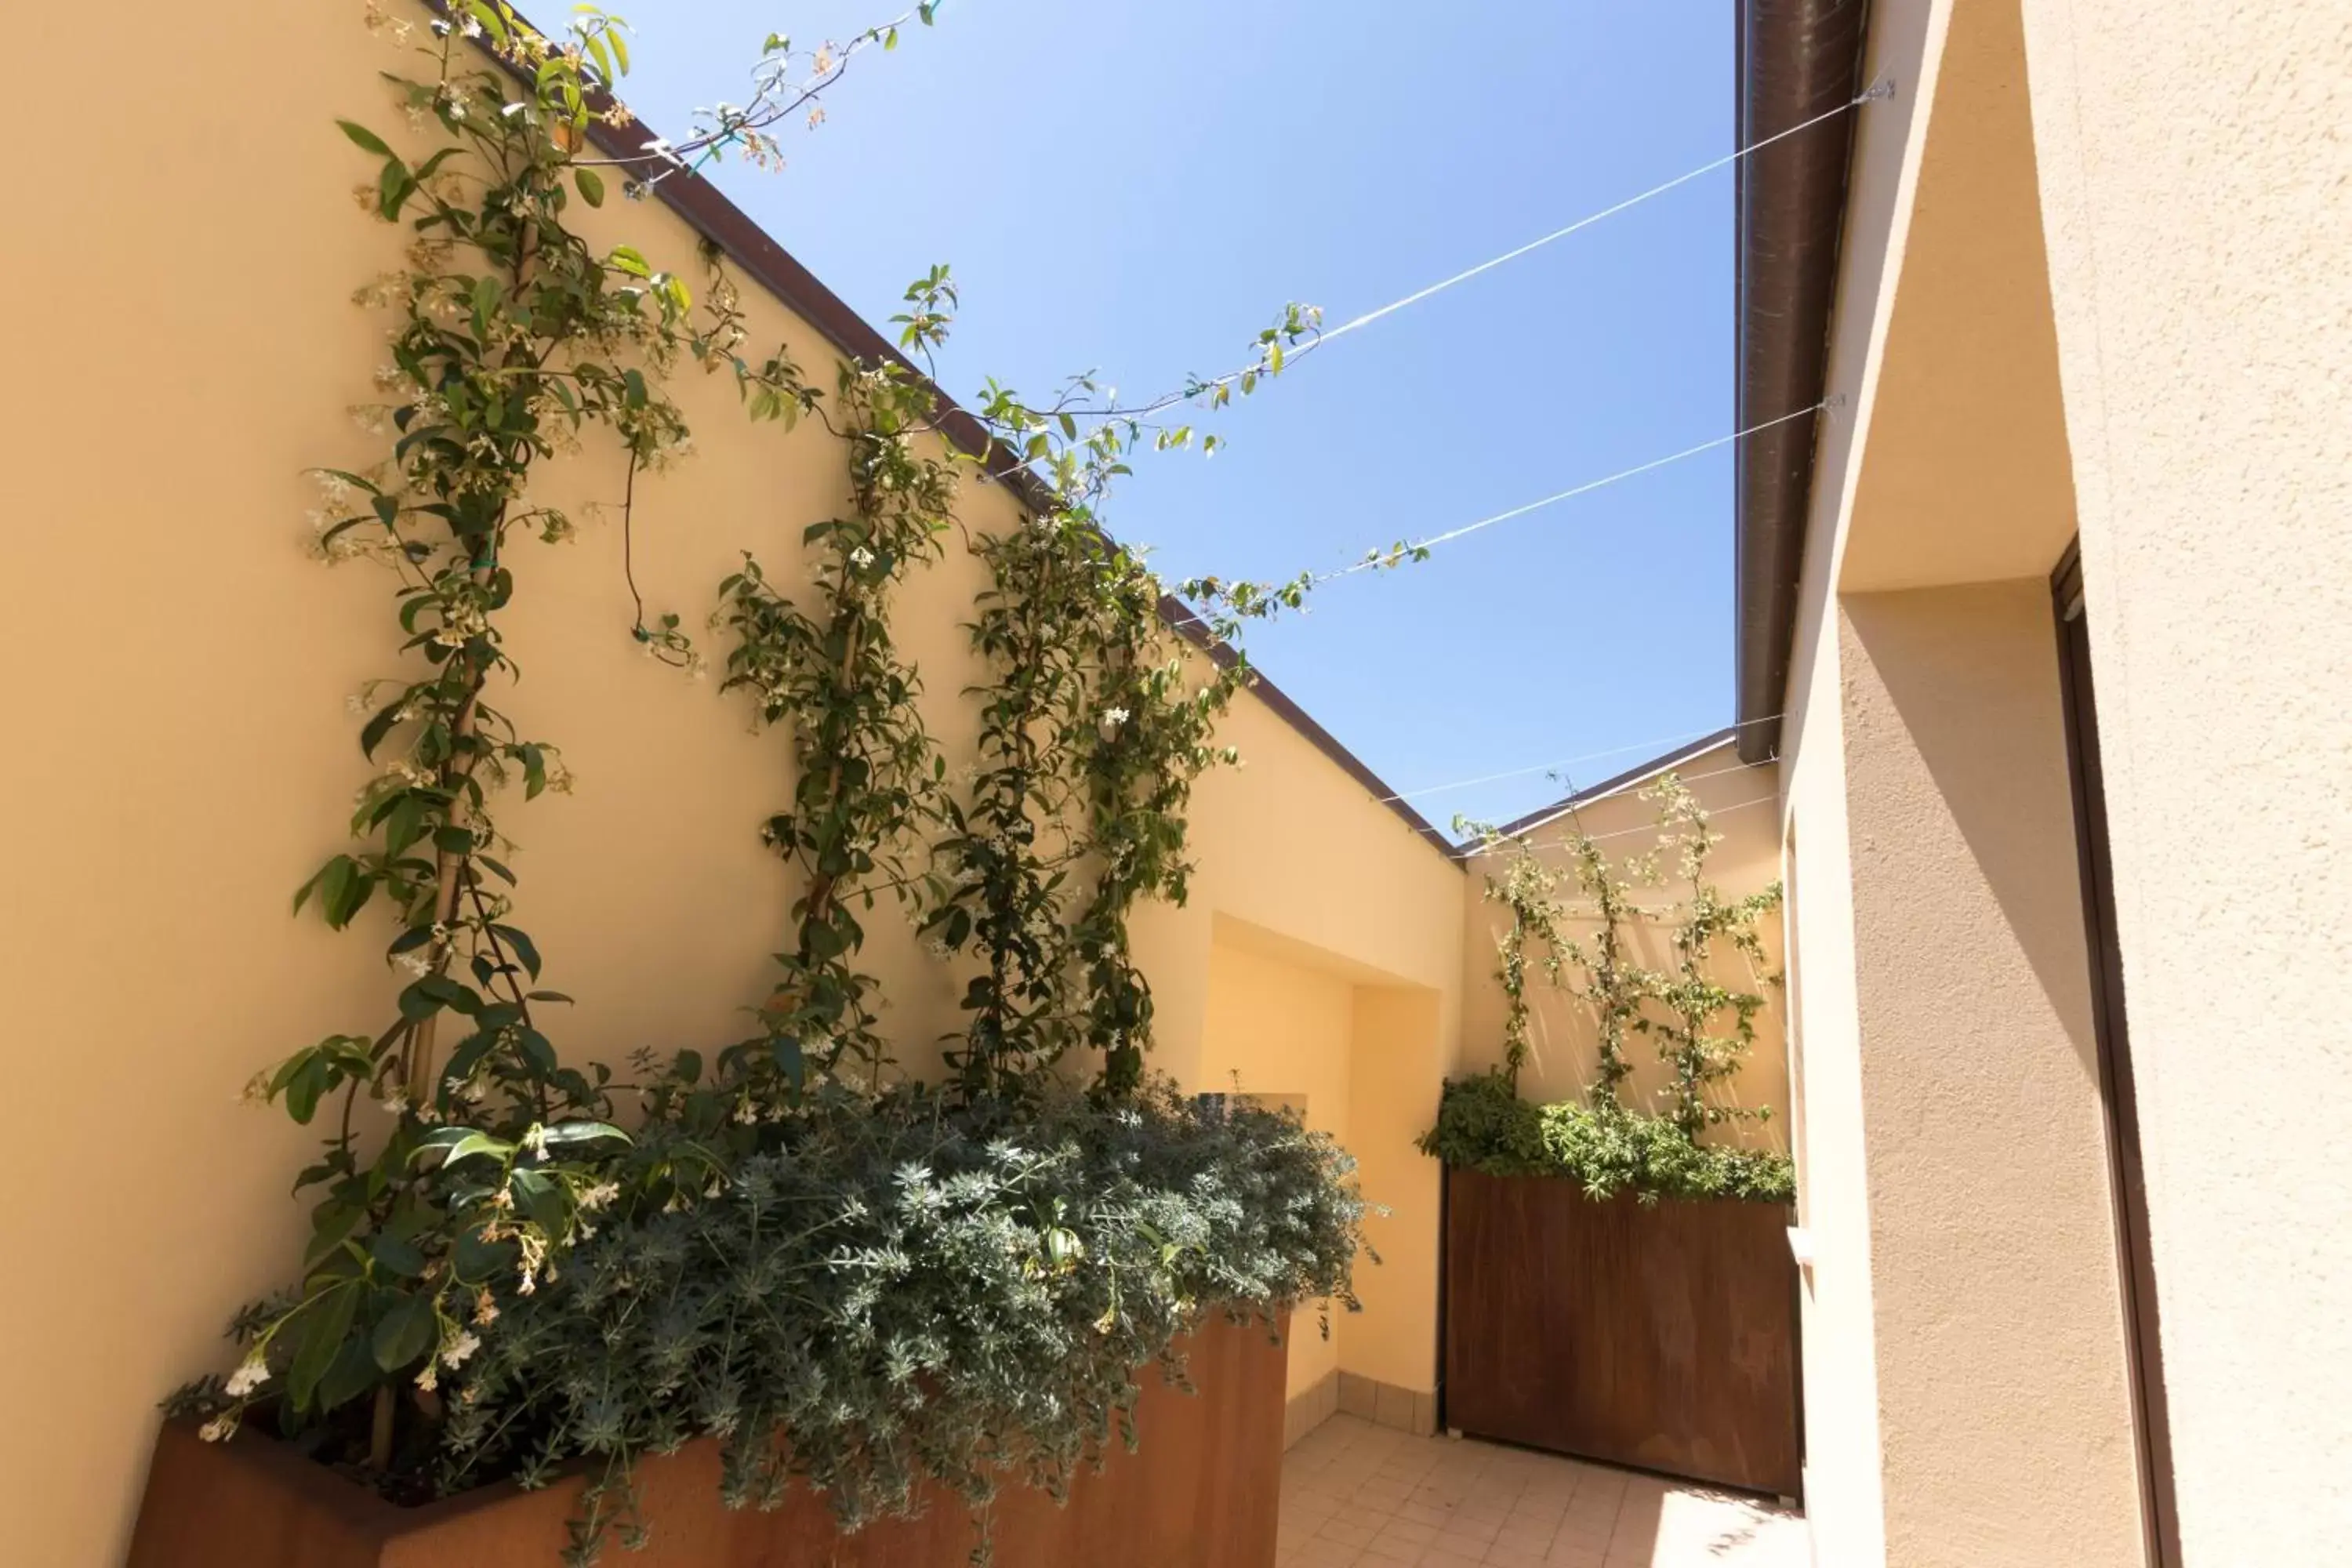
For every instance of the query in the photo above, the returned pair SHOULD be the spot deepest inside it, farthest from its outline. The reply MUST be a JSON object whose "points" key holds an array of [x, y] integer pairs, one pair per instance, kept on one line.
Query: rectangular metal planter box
{"points": [[1201, 1492], [1662, 1336]]}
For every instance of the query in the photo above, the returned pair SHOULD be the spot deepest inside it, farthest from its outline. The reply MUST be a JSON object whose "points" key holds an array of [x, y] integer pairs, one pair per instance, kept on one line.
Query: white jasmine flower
{"points": [[397, 1103], [597, 1196], [217, 1429], [457, 1347], [861, 558], [535, 1140], [250, 1374], [416, 963], [430, 1378]]}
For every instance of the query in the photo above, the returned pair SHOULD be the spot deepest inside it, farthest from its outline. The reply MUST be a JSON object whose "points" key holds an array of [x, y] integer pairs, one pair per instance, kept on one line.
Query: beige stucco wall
{"points": [[1561, 1035], [2196, 195], [1283, 1031], [1966, 1392], [1999, 1322], [182, 756]]}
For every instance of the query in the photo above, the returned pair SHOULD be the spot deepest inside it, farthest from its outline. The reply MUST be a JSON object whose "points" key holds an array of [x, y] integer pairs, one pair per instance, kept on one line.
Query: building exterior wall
{"points": [[1283, 1031], [2196, 195], [182, 755], [2004, 1412], [1562, 1047], [1967, 1396]]}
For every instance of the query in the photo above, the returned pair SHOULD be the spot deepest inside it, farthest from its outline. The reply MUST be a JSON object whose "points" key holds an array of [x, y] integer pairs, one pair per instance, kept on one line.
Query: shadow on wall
{"points": [[1359, 1053], [1971, 674]]}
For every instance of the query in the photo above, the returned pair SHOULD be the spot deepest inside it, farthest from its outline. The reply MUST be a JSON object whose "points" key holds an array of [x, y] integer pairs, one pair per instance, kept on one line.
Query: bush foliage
{"points": [[914, 1289], [1483, 1125], [1702, 1027], [519, 1260]]}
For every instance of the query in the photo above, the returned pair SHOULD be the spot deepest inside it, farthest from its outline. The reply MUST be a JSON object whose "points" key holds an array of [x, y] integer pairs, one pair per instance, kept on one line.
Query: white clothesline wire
{"points": [[1397, 554], [1687, 735], [1652, 828], [1415, 298], [1482, 846]]}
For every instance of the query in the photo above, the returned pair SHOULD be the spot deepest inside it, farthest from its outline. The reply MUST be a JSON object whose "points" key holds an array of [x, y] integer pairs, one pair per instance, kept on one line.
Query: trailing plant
{"points": [[1703, 1027], [1694, 1006], [1097, 723], [867, 777], [470, 1297], [1484, 1126], [915, 1289], [512, 336], [1526, 890]]}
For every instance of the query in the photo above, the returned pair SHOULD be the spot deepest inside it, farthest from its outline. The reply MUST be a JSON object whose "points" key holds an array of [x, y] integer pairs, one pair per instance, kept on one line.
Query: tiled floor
{"points": [[1359, 1496]]}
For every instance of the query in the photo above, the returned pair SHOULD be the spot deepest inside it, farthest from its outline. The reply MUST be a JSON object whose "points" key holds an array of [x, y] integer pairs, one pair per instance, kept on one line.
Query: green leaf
{"points": [[378, 726], [790, 1060], [627, 260], [474, 1260], [351, 1374], [329, 1227], [526, 952], [326, 1321], [404, 1334], [564, 1134], [591, 187], [397, 1257], [405, 825], [393, 189], [450, 993], [366, 140], [302, 1091], [469, 1143], [542, 1198], [418, 1003]]}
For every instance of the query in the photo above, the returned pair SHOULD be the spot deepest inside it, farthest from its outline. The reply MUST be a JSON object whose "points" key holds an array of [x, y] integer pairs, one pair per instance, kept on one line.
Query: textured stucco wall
{"points": [[1283, 1030], [1965, 1391], [1561, 1044], [1844, 1496], [2197, 193], [183, 758], [2005, 1410]]}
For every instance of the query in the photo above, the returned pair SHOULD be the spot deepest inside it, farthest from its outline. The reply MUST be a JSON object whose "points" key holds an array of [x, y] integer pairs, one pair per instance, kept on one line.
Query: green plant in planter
{"points": [[905, 1291], [868, 780], [448, 1241], [512, 336], [1703, 1028]]}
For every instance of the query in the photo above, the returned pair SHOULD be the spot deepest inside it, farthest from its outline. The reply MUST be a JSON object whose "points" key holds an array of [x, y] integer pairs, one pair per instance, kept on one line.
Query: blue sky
{"points": [[1135, 189]]}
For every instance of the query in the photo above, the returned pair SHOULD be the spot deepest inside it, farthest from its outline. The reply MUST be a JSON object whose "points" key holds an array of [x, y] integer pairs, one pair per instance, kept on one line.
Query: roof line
{"points": [[710, 213], [1641, 773], [1797, 59]]}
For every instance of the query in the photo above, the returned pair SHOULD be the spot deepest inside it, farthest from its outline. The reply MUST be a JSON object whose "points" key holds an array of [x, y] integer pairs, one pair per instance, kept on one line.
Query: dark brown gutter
{"points": [[755, 253], [1797, 59]]}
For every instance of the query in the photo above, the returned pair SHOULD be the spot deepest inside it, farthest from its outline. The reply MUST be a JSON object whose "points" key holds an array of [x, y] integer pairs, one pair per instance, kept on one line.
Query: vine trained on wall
{"points": [[490, 1213]]}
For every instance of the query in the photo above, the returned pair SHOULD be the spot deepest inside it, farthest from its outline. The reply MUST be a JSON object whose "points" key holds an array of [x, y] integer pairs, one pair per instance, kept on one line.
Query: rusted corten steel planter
{"points": [[1201, 1492], [1662, 1336]]}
